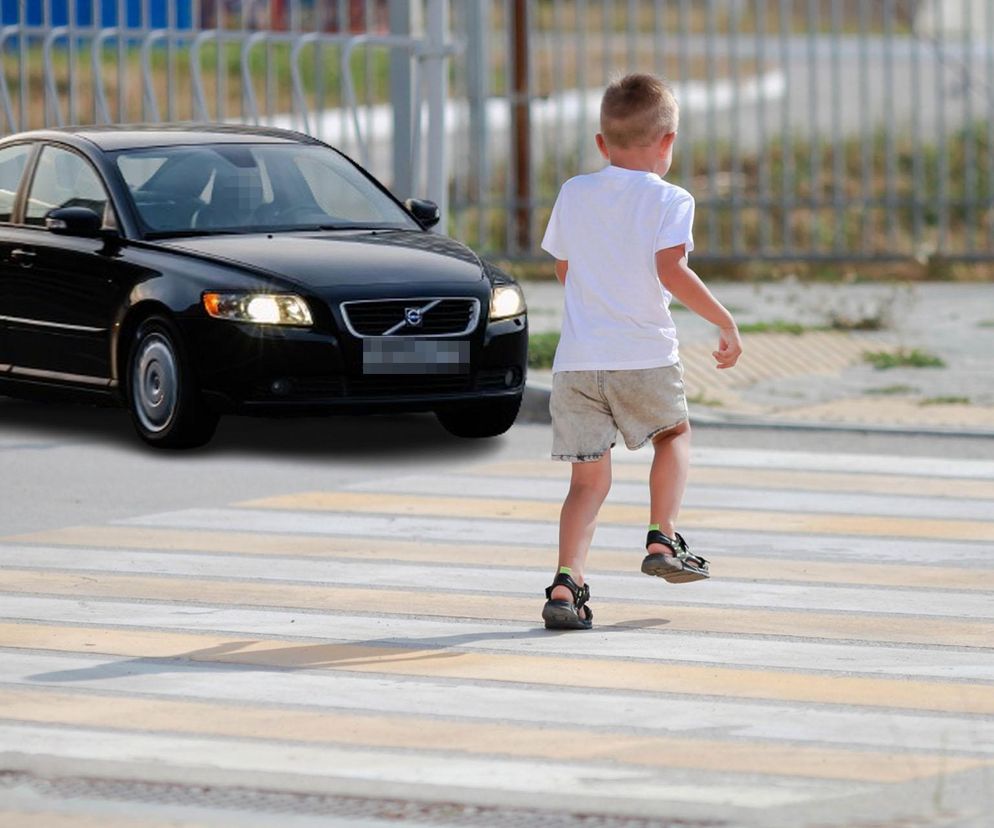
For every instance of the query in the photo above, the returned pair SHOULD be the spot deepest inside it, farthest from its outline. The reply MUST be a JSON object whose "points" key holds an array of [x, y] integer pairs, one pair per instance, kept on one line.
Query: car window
{"points": [[13, 160], [139, 169], [64, 179], [252, 188], [338, 194]]}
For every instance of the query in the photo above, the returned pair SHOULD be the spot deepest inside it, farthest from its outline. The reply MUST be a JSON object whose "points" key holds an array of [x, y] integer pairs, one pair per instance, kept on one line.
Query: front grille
{"points": [[442, 316]]}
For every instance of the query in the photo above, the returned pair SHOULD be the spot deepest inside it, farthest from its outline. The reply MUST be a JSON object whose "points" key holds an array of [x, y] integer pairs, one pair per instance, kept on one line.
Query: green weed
{"points": [[951, 399], [915, 358], [542, 349], [776, 326], [702, 399], [892, 389]]}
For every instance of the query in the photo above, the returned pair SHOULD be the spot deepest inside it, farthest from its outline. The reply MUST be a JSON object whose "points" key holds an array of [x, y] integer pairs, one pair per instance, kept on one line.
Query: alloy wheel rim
{"points": [[155, 383]]}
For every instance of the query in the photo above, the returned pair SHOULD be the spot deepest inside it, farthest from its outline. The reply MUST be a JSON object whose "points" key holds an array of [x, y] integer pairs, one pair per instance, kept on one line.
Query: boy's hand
{"points": [[729, 348]]}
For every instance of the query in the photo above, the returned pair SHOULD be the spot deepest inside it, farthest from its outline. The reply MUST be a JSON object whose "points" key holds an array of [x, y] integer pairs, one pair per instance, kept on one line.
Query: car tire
{"points": [[483, 419], [163, 396]]}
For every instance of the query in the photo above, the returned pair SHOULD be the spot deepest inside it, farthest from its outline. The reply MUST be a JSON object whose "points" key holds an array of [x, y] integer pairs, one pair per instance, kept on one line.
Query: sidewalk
{"points": [[819, 375]]}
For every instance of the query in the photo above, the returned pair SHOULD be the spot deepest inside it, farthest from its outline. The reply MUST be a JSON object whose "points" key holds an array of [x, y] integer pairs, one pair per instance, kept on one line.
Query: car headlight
{"points": [[506, 301], [259, 308]]}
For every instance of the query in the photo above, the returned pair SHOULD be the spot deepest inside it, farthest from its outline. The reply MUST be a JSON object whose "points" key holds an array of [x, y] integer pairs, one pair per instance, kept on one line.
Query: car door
{"points": [[62, 292], [13, 161]]}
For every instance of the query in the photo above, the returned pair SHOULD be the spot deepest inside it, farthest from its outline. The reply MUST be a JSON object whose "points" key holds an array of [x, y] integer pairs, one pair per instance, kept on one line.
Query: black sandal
{"points": [[678, 568], [567, 615]]}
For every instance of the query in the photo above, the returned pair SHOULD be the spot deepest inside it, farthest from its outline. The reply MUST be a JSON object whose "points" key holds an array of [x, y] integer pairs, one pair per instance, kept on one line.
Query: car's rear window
{"points": [[253, 188]]}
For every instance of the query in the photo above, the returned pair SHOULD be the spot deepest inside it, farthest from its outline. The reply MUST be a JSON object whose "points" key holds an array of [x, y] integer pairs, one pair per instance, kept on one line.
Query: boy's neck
{"points": [[645, 160]]}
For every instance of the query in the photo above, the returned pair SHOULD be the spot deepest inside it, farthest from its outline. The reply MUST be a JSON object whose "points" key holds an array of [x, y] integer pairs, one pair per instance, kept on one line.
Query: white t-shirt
{"points": [[608, 225]]}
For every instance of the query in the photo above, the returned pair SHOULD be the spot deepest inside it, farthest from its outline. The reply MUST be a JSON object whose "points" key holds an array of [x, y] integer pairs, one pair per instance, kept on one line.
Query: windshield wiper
{"points": [[182, 234], [378, 227]]}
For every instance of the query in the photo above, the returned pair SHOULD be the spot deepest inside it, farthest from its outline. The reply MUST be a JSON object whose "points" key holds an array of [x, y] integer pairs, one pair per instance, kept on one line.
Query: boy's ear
{"points": [[602, 146], [666, 143]]}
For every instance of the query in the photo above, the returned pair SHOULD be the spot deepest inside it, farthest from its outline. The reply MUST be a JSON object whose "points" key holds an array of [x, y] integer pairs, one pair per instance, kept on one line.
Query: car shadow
{"points": [[46, 424], [374, 436]]}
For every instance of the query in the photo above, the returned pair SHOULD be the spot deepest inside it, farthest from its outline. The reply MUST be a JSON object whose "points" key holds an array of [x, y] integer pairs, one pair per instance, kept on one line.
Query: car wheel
{"points": [[163, 396], [480, 419]]}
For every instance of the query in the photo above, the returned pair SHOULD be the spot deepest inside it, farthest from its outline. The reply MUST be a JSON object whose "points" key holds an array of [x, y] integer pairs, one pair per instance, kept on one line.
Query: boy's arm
{"points": [[561, 267], [685, 285]]}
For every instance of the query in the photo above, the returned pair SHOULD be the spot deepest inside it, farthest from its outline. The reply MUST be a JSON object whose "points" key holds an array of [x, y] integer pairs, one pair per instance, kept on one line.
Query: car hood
{"points": [[338, 258]]}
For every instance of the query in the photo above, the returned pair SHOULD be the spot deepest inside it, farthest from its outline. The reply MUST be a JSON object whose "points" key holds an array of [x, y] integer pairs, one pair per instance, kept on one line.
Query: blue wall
{"points": [[88, 12]]}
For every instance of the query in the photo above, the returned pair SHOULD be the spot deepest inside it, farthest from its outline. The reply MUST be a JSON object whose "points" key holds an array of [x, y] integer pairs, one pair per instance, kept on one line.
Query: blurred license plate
{"points": [[414, 356]]}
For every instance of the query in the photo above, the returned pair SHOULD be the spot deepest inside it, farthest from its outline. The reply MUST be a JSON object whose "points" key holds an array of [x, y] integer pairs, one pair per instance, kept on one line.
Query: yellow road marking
{"points": [[548, 511], [867, 627], [735, 566], [420, 733], [791, 479], [441, 663]]}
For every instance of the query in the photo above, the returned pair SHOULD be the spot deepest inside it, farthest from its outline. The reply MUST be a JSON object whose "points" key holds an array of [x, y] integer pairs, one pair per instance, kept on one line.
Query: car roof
{"points": [[133, 136]]}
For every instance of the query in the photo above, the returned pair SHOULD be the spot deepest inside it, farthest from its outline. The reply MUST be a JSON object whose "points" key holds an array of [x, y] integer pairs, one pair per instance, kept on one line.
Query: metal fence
{"points": [[810, 129], [370, 76]]}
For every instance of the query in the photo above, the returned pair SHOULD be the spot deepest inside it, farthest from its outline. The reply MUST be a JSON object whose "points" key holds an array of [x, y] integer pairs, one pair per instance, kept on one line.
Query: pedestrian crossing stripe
{"points": [[784, 479], [450, 634], [436, 779], [548, 511], [168, 565], [823, 461], [828, 626], [39, 817], [434, 733], [818, 688], [515, 556]]}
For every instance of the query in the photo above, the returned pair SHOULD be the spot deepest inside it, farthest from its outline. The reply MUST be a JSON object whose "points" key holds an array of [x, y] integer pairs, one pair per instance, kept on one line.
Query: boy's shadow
{"points": [[251, 655]]}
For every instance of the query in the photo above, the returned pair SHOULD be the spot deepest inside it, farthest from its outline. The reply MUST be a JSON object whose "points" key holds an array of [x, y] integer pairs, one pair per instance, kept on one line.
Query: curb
{"points": [[535, 404], [535, 409]]}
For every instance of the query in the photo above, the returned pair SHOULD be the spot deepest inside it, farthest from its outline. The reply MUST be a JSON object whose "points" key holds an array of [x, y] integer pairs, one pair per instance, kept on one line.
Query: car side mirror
{"points": [[74, 221], [426, 212]]}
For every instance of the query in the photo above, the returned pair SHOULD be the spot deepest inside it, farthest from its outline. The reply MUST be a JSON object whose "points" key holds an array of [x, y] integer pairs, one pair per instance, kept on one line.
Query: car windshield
{"points": [[245, 188]]}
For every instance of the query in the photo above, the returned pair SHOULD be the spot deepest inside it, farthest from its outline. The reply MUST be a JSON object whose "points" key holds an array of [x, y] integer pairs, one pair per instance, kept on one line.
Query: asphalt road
{"points": [[335, 622]]}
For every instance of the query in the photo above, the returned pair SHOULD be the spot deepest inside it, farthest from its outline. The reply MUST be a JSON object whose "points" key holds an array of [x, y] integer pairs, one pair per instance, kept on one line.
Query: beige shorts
{"points": [[589, 407]]}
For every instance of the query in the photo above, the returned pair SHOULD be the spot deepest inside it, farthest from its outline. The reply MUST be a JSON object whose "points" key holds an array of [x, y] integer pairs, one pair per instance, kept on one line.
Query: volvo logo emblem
{"points": [[413, 317]]}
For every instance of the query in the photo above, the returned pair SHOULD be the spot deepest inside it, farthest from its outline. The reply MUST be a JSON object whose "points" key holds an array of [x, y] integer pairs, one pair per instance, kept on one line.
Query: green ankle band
{"points": [[565, 570], [653, 527]]}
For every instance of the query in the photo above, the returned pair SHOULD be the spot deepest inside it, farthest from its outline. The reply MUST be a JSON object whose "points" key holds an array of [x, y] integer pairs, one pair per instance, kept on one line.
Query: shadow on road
{"points": [[44, 424], [253, 654]]}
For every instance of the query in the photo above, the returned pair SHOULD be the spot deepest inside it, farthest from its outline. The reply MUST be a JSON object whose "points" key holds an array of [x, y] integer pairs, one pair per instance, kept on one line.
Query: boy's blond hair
{"points": [[637, 110]]}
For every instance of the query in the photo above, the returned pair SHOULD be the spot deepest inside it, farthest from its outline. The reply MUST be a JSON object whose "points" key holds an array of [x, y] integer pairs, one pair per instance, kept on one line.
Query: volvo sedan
{"points": [[186, 272]]}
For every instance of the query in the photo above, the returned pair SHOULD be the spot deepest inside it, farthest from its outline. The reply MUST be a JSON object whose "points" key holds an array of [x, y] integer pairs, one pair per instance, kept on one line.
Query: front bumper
{"points": [[270, 370]]}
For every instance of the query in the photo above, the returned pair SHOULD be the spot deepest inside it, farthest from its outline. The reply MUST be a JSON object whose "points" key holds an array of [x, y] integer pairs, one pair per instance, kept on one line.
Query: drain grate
{"points": [[305, 804]]}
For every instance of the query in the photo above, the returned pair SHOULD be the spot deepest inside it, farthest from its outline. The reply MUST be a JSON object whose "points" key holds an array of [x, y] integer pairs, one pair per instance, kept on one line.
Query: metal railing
{"points": [[810, 129], [330, 68]]}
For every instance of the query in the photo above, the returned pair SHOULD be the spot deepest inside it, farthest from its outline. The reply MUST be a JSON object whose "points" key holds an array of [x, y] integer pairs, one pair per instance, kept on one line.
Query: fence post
{"points": [[402, 100], [436, 64], [477, 84], [521, 125]]}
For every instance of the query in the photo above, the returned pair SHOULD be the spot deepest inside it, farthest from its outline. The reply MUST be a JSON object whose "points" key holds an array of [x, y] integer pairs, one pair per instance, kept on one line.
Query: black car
{"points": [[190, 271]]}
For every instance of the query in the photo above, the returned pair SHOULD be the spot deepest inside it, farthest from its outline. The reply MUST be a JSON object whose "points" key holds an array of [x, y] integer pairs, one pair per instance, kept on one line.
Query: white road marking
{"points": [[316, 689], [519, 638], [635, 587]]}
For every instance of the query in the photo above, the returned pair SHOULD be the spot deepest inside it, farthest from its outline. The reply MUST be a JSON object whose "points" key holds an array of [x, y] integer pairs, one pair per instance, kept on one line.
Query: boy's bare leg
{"points": [[589, 485], [668, 480]]}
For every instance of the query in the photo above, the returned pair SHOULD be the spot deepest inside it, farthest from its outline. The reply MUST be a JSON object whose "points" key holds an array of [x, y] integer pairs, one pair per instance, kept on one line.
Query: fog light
{"points": [[280, 387], [512, 377]]}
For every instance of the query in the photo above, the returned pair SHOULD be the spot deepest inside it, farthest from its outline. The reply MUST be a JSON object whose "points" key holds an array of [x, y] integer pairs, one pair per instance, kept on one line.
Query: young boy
{"points": [[621, 238]]}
